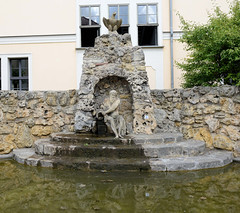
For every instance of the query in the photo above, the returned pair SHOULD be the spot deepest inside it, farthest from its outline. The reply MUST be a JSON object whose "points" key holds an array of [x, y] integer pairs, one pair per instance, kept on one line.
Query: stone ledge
{"points": [[212, 159], [6, 156], [185, 148]]}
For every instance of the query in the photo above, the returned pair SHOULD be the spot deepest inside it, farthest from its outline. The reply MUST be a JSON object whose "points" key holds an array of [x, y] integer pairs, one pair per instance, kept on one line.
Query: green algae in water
{"points": [[31, 189]]}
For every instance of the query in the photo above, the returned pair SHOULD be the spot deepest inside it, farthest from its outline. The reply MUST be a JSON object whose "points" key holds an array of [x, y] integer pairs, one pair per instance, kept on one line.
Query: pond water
{"points": [[31, 189]]}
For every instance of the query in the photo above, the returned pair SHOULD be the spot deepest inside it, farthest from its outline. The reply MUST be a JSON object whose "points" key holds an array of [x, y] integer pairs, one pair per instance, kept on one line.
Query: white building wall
{"points": [[153, 55]]}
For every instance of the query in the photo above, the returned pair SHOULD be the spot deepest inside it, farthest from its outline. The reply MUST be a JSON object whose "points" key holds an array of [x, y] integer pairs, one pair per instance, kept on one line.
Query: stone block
{"points": [[6, 146], [228, 106], [203, 134], [84, 121], [212, 123], [223, 142], [24, 137], [51, 99], [41, 130], [233, 132]]}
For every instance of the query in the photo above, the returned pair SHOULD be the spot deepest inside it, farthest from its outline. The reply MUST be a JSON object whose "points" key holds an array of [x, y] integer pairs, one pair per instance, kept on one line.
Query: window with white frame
{"points": [[147, 24], [19, 74], [90, 25], [121, 13]]}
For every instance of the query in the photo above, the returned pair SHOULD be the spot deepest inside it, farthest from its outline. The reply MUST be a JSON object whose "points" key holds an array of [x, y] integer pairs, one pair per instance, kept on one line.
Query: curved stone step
{"points": [[129, 139], [157, 138], [47, 147], [89, 138], [28, 156], [210, 159], [159, 150]]}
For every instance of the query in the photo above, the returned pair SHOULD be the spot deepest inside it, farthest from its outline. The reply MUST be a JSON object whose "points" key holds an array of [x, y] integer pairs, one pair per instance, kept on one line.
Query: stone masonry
{"points": [[28, 116], [210, 114], [113, 56]]}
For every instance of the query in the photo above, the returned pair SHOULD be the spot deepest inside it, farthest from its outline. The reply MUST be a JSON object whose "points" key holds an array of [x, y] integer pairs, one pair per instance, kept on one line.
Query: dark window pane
{"points": [[19, 74], [88, 36], [15, 85], [15, 63], [84, 20], [147, 35], [122, 30], [123, 10], [15, 72], [24, 72], [24, 85], [24, 63]]}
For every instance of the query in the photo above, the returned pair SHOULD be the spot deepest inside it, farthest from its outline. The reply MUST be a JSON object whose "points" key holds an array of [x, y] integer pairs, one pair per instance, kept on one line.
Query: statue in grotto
{"points": [[111, 115]]}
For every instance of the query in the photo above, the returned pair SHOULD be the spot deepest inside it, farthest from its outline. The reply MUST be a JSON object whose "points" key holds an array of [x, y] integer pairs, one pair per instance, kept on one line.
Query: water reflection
{"points": [[30, 189]]}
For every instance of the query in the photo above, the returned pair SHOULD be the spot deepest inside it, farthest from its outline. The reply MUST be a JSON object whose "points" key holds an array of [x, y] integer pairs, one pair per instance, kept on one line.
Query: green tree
{"points": [[214, 49]]}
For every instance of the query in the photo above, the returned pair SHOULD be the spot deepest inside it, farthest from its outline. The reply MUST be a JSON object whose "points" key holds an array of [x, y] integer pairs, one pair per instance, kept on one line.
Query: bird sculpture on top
{"points": [[112, 24]]}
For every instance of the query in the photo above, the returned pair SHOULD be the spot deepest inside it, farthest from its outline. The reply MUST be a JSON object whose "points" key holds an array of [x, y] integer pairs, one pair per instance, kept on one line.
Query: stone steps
{"points": [[52, 148], [184, 148], [149, 149], [89, 139], [29, 157], [158, 152], [210, 159], [157, 138]]}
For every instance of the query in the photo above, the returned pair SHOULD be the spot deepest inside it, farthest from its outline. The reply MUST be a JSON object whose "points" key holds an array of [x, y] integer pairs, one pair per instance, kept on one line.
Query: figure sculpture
{"points": [[112, 24], [112, 118]]}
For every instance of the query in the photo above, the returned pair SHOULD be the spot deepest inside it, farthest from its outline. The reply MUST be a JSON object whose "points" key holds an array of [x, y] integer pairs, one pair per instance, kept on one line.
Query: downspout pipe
{"points": [[171, 42]]}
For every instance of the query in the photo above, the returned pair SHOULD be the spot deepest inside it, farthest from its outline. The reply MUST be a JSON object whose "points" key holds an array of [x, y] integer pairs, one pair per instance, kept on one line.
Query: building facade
{"points": [[42, 42]]}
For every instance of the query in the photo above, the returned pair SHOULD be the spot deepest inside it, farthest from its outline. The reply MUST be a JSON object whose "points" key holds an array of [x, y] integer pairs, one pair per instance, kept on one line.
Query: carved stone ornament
{"points": [[112, 24]]}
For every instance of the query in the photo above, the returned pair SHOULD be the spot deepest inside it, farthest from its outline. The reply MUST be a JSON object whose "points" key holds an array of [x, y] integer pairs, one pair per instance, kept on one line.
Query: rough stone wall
{"points": [[27, 116], [211, 114], [114, 56]]}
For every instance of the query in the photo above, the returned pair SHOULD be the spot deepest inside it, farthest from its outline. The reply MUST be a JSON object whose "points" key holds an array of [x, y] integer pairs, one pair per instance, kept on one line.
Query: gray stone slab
{"points": [[188, 148], [46, 163], [236, 159], [6, 156], [157, 138], [212, 159], [39, 145], [20, 155]]}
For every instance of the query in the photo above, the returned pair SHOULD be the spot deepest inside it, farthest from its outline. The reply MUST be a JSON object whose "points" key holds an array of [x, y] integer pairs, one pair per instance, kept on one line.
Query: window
{"points": [[19, 74], [90, 27], [147, 24], [121, 13]]}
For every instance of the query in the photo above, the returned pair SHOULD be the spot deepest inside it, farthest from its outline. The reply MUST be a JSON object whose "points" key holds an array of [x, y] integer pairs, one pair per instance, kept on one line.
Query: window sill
{"points": [[147, 25], [149, 47], [90, 26]]}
